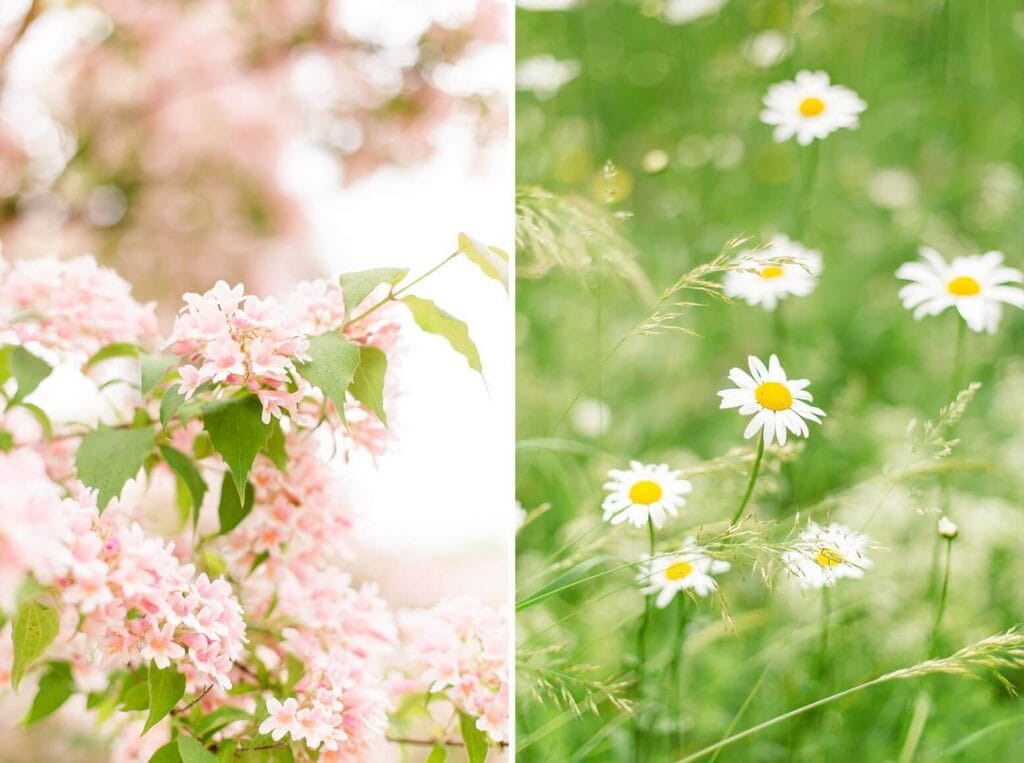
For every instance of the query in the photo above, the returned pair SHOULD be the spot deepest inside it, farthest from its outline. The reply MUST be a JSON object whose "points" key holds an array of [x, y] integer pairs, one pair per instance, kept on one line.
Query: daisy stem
{"points": [[943, 594], [641, 663], [826, 615], [676, 672], [808, 174], [750, 484], [958, 357]]}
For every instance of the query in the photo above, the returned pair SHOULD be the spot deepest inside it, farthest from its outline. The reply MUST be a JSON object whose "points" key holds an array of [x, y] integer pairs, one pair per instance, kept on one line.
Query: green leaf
{"points": [[34, 628], [368, 384], [238, 433], [218, 719], [6, 441], [154, 368], [167, 754], [332, 365], [136, 698], [116, 350], [275, 448], [475, 739], [172, 400], [108, 458], [184, 468], [28, 371], [192, 751], [438, 754], [357, 286], [55, 687], [226, 751], [166, 688], [232, 511], [434, 320], [296, 670], [491, 260]]}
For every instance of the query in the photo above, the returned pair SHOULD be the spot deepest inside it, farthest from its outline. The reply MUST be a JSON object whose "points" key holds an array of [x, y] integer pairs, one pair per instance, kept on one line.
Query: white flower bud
{"points": [[947, 529]]}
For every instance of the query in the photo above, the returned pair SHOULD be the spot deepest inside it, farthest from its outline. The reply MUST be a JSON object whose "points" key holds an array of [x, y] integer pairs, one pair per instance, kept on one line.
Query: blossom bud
{"points": [[947, 529]]}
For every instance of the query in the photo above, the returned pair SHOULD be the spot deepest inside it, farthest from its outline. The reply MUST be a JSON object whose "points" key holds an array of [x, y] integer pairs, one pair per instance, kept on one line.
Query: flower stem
{"points": [[676, 671], [826, 615], [641, 663], [753, 479], [943, 594], [808, 174], [396, 293], [958, 357]]}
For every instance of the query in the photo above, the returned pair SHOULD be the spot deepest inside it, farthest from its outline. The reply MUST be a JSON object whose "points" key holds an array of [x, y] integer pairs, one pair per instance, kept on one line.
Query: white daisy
{"points": [[685, 11], [779, 405], [822, 555], [809, 107], [766, 282], [644, 492], [975, 285], [689, 569], [545, 75]]}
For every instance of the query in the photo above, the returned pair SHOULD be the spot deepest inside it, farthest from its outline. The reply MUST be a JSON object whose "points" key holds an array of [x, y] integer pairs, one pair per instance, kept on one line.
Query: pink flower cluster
{"points": [[229, 338], [460, 649], [298, 518], [128, 598], [70, 306], [33, 533], [342, 636], [339, 706]]}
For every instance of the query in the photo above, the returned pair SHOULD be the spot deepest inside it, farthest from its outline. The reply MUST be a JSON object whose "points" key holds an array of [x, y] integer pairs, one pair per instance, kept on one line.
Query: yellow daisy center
{"points": [[811, 107], [964, 286], [678, 571], [645, 492], [828, 557], [774, 395], [772, 271]]}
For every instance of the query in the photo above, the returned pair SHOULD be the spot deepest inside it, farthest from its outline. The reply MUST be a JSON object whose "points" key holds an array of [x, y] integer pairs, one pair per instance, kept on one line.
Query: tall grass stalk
{"points": [[1001, 651], [940, 610]]}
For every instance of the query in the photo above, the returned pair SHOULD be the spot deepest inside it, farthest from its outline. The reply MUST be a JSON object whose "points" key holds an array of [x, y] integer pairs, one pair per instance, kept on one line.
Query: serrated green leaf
{"points": [[167, 754], [368, 384], [108, 458], [438, 754], [34, 628], [332, 365], [28, 371], [357, 286], [166, 688], [226, 751], [238, 433], [491, 260], [434, 320], [475, 739], [40, 416], [192, 751], [230, 510], [153, 368], [116, 350], [296, 670], [172, 400], [55, 687], [189, 474], [6, 441]]}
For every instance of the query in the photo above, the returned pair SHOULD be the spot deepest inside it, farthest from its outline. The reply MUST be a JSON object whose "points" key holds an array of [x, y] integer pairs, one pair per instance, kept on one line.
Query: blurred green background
{"points": [[937, 161]]}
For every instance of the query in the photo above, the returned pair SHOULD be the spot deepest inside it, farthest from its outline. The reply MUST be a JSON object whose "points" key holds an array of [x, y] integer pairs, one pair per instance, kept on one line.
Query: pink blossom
{"points": [[283, 720], [71, 306], [460, 649]]}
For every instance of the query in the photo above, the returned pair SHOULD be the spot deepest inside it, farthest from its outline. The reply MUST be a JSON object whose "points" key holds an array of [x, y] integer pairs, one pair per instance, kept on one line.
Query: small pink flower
{"points": [[160, 648], [283, 720]]}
